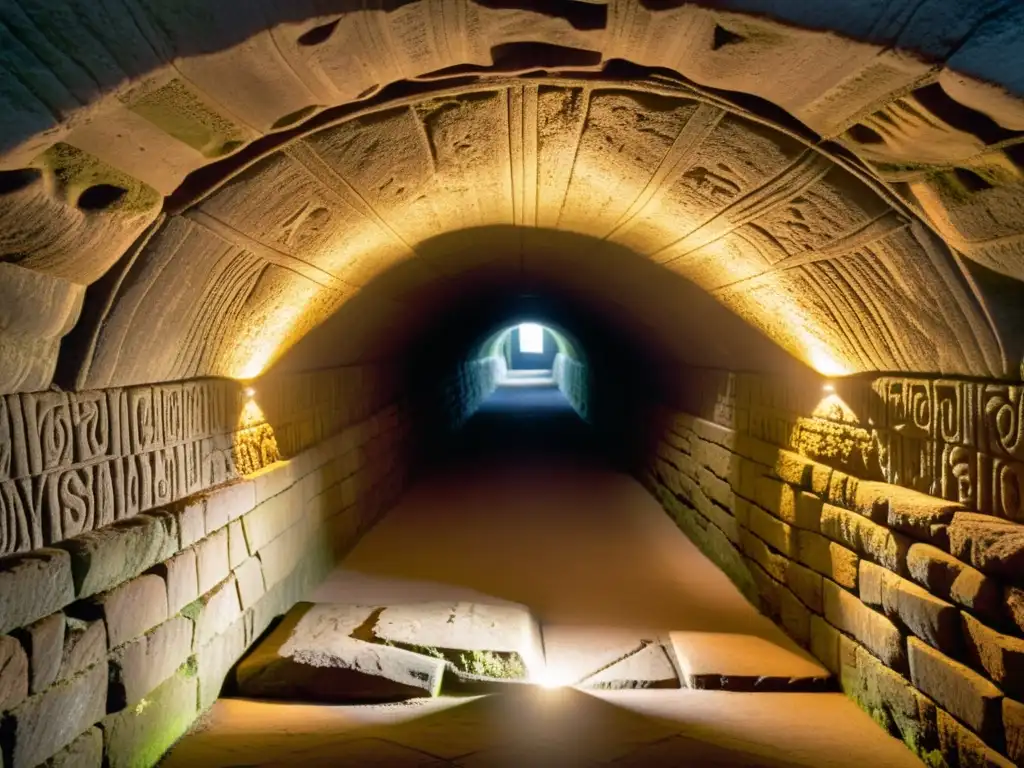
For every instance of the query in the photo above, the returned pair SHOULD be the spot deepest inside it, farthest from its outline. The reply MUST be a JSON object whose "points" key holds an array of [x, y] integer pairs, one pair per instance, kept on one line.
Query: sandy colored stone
{"points": [[228, 503], [805, 584], [312, 656], [1000, 656], [191, 516], [961, 747], [771, 530], [825, 643], [141, 734], [1014, 601], [140, 666], [743, 662], [33, 586], [13, 673], [104, 558], [933, 620], [1013, 726], [827, 558], [215, 660], [249, 576], [216, 611], [44, 724], [772, 562], [888, 697], [860, 534], [991, 545], [918, 514], [212, 562], [44, 643], [237, 550], [949, 578], [649, 667], [964, 693], [85, 644], [128, 610], [788, 504], [877, 633]]}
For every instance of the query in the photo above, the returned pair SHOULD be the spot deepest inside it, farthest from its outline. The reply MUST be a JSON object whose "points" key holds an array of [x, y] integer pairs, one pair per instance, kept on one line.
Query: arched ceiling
{"points": [[855, 199]]}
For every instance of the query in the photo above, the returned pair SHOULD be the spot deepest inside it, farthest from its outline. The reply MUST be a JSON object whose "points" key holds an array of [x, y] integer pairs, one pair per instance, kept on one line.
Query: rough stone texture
{"points": [[191, 517], [215, 660], [1013, 726], [237, 550], [827, 558], [948, 578], [649, 667], [964, 693], [313, 656], [44, 724], [991, 545], [138, 736], [218, 609], [250, 582], [888, 697], [85, 644], [84, 752], [917, 513], [130, 609], [13, 673], [107, 557], [961, 747], [1000, 656], [868, 538], [825, 644], [44, 644], [141, 665], [33, 586], [229, 503], [1015, 605], [872, 629], [933, 620], [806, 585]]}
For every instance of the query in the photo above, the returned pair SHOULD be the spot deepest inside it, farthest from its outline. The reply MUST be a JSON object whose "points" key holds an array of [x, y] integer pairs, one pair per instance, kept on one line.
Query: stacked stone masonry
{"points": [[121, 635], [914, 601], [573, 381]]}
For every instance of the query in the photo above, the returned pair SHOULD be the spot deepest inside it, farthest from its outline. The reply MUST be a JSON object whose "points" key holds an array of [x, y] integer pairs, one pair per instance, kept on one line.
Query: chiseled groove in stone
{"points": [[588, 97], [312, 163], [213, 103], [517, 161], [802, 174], [530, 155], [294, 264], [676, 162]]}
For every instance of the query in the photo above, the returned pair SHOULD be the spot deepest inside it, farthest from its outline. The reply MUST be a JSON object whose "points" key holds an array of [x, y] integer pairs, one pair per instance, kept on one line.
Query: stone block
{"points": [[215, 660], [229, 503], [873, 630], [872, 500], [773, 563], [888, 697], [771, 530], [825, 643], [46, 723], [218, 609], [945, 576], [128, 610], [85, 644], [827, 558], [84, 752], [270, 519], [280, 556], [861, 535], [191, 517], [104, 558], [842, 490], [992, 545], [967, 695], [649, 667], [1000, 656], [137, 737], [918, 514], [238, 552], [1013, 727], [43, 641], [13, 673], [958, 746], [212, 560], [715, 488], [138, 667], [181, 573], [794, 617], [34, 585], [805, 584], [794, 469], [933, 620], [1014, 601], [251, 588], [273, 480]]}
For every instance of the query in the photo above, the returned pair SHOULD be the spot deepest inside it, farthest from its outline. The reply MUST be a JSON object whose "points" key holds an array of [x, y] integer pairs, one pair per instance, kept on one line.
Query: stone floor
{"points": [[602, 567]]}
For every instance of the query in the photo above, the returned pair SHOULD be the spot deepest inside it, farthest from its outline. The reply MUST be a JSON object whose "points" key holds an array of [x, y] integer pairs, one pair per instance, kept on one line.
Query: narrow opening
{"points": [[724, 37], [864, 135], [580, 15], [12, 181], [970, 180], [101, 197], [293, 117], [318, 35]]}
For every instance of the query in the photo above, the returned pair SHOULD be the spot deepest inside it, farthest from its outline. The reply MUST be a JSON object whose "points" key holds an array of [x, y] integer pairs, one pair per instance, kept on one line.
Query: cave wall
{"points": [[878, 521], [153, 533]]}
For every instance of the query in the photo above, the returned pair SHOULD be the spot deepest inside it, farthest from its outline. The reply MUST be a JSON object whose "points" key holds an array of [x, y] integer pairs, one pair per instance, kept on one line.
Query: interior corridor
{"points": [[523, 511]]}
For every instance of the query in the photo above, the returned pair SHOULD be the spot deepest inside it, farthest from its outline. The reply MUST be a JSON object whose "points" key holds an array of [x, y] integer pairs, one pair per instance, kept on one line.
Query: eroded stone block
{"points": [[1001, 656], [13, 673], [141, 734], [827, 558], [873, 630], [128, 610], [218, 609], [990, 544], [868, 538], [33, 586], [945, 576], [44, 643], [138, 667], [212, 560], [84, 752]]}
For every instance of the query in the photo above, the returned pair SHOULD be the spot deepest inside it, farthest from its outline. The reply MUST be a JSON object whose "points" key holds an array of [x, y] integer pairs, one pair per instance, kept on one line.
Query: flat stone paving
{"points": [[603, 569]]}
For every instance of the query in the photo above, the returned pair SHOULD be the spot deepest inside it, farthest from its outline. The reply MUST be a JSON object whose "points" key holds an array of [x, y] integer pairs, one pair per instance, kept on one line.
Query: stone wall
{"points": [[121, 630], [457, 396], [573, 381], [811, 499]]}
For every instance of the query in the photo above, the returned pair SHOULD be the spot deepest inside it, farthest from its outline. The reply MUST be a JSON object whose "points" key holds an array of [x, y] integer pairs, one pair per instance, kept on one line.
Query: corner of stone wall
{"points": [[915, 602], [118, 638]]}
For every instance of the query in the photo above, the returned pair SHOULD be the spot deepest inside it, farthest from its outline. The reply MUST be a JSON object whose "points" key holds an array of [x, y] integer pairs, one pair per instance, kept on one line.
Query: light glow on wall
{"points": [[531, 339]]}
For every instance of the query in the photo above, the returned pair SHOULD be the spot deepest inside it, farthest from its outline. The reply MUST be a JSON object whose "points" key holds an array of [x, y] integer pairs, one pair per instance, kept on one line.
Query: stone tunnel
{"points": [[263, 267]]}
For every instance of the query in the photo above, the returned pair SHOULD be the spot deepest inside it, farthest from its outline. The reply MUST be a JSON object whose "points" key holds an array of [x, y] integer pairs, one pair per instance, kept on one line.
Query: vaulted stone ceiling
{"points": [[189, 189]]}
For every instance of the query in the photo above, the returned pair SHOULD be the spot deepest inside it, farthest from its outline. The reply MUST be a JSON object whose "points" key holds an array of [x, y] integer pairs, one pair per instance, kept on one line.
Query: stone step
{"points": [[647, 667], [734, 662]]}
